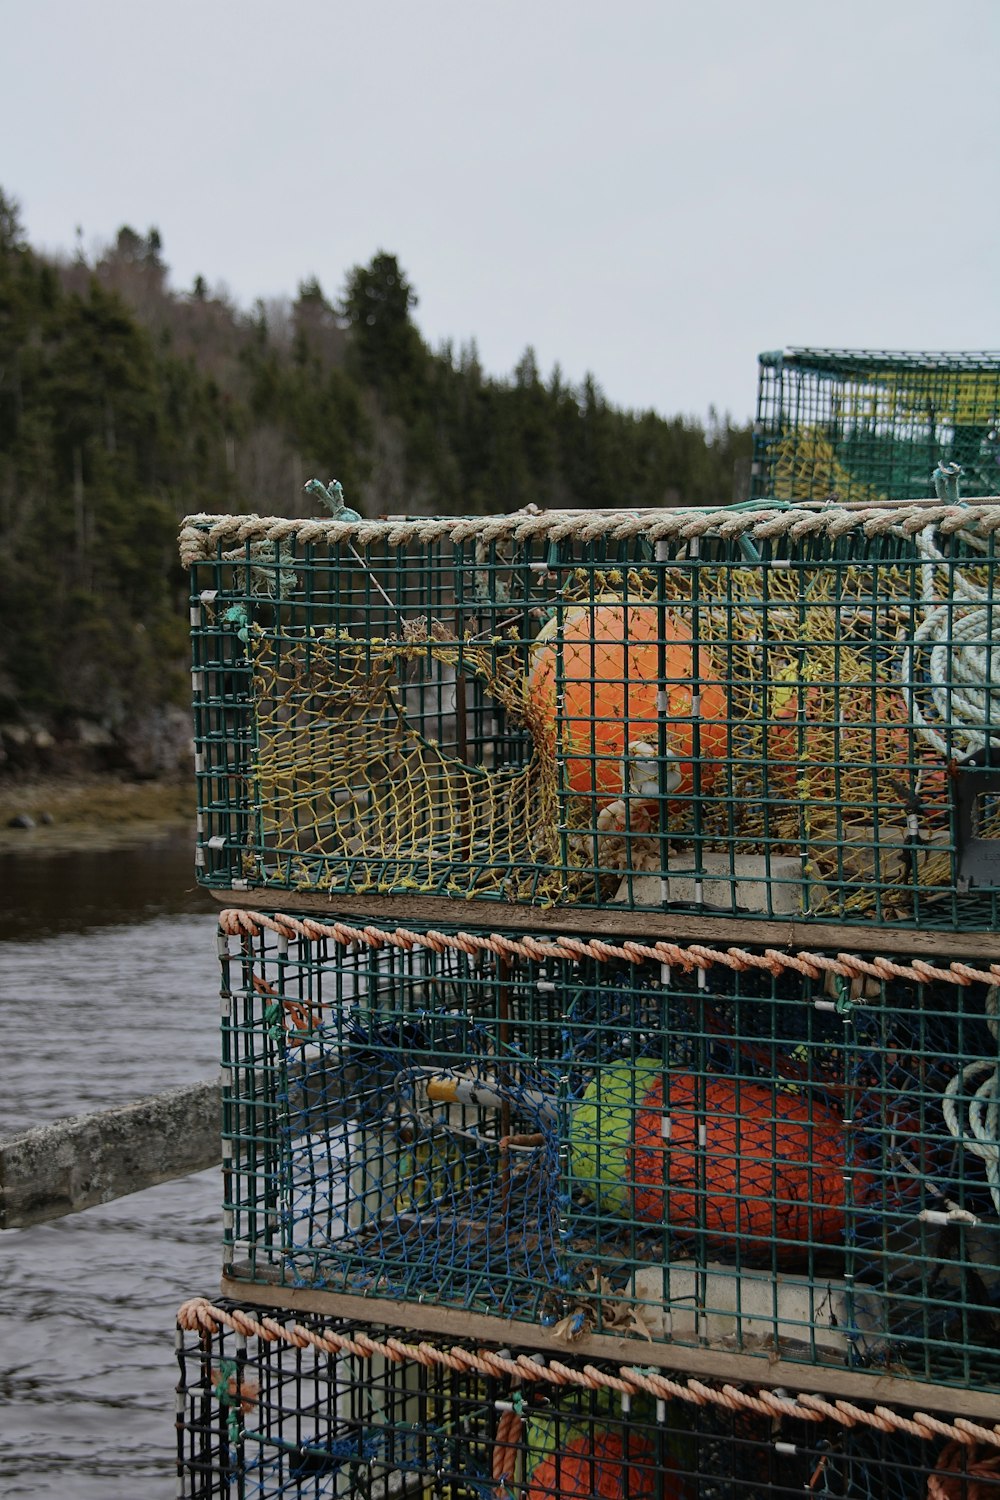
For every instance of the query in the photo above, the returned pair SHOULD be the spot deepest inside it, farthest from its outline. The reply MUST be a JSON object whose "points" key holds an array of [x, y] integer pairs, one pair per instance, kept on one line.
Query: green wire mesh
{"points": [[267, 1420], [842, 425], [754, 1161], [784, 715]]}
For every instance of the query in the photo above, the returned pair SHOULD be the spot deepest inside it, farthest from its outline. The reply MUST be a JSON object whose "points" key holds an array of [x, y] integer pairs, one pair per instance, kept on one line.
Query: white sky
{"points": [[651, 191]]}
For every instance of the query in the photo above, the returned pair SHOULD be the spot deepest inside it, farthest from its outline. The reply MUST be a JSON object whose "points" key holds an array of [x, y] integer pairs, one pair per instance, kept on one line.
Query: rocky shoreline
{"points": [[52, 814]]}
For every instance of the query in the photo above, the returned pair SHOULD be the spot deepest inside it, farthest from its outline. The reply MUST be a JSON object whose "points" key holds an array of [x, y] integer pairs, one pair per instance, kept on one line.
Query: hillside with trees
{"points": [[126, 404]]}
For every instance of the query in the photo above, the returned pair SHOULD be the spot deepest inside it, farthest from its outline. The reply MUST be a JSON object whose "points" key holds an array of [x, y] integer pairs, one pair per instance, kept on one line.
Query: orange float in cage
{"points": [[735, 1157], [864, 723], [602, 1465], [610, 678], [850, 744], [771, 1168]]}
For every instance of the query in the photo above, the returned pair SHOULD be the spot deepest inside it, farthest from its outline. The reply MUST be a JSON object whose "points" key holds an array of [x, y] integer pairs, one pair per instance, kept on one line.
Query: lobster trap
{"points": [[338, 1409], [757, 713], [849, 425], [789, 1156]]}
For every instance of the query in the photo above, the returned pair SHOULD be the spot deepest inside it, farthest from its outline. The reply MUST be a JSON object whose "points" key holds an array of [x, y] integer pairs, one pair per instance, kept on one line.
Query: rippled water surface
{"points": [[108, 992]]}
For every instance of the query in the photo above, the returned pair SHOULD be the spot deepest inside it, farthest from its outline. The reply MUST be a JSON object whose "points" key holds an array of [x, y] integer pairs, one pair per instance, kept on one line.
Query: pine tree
{"points": [[387, 351]]}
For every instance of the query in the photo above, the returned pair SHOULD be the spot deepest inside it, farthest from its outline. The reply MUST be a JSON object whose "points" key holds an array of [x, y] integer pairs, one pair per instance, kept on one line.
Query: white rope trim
{"points": [[202, 535]]}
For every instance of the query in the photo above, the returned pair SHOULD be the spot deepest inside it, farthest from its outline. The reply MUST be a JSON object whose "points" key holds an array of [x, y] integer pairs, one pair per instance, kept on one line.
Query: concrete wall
{"points": [[74, 1164]]}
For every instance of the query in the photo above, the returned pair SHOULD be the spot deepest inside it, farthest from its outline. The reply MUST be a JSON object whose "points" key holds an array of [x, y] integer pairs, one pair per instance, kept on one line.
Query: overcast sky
{"points": [[654, 192]]}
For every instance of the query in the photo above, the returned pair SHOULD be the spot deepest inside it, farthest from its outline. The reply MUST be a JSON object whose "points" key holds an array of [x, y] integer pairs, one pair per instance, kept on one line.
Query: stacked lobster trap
{"points": [[698, 1148], [609, 973], [322, 1409], [752, 713], [868, 426]]}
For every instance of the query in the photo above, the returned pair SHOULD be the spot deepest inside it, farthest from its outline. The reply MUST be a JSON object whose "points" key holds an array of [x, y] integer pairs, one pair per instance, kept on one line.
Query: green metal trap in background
{"points": [[760, 711], [861, 425]]}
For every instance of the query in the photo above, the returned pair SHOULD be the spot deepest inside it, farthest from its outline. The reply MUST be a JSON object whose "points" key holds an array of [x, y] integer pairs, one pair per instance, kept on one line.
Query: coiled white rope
{"points": [[960, 638], [982, 1113]]}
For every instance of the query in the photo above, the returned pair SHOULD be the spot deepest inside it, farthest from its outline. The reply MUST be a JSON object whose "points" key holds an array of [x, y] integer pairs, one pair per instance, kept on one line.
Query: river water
{"points": [[108, 991]]}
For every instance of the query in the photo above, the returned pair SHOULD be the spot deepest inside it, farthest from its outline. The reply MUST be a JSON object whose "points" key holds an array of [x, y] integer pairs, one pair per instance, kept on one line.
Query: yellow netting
{"points": [[341, 772], [806, 467], [825, 762], [964, 397]]}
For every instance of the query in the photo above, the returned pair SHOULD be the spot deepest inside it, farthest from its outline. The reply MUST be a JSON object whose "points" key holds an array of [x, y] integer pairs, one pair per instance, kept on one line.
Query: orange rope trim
{"points": [[200, 1315], [947, 1484], [237, 923], [509, 1430]]}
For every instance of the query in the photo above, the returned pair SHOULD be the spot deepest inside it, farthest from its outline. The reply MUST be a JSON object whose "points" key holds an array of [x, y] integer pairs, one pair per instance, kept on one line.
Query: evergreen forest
{"points": [[126, 404]]}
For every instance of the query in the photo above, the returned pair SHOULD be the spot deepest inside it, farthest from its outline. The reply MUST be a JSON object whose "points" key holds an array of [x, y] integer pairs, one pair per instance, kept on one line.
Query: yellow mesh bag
{"points": [[341, 772]]}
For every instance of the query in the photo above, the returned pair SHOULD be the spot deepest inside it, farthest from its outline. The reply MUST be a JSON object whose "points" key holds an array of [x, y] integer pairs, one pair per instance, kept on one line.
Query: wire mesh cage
{"points": [[849, 425], [788, 1155], [788, 714], [314, 1409]]}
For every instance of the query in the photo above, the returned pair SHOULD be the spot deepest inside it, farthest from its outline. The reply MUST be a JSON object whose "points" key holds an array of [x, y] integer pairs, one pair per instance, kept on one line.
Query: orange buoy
{"points": [[601, 1465], [610, 681], [734, 1157], [816, 726], [772, 1166]]}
